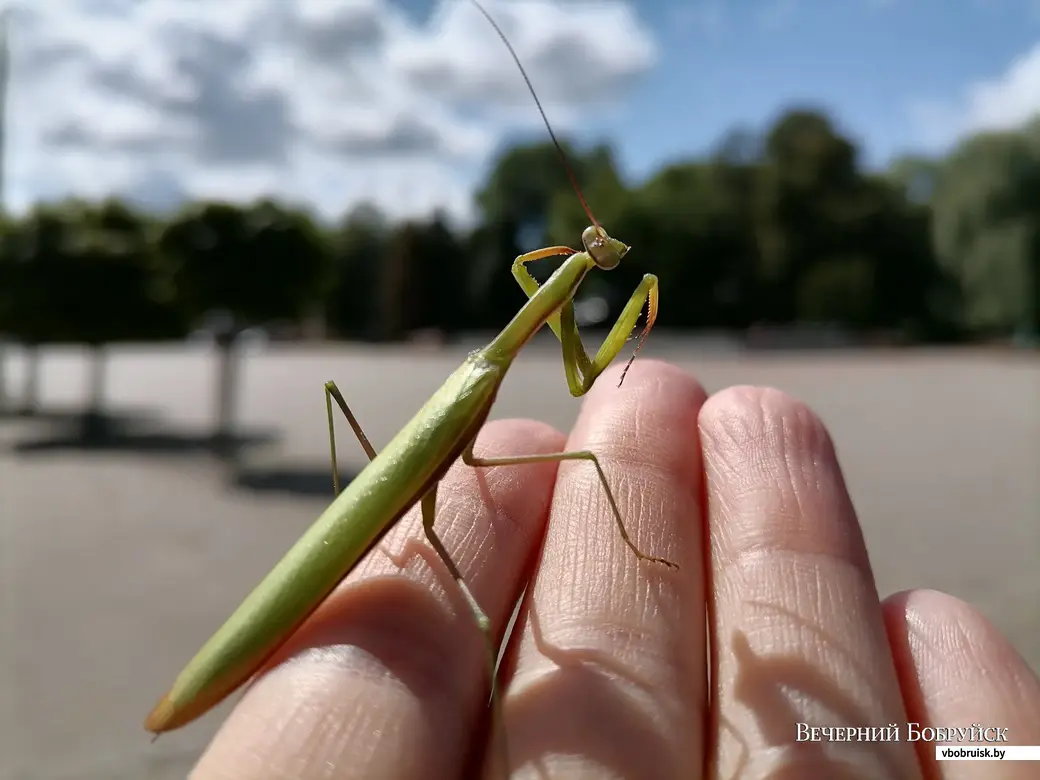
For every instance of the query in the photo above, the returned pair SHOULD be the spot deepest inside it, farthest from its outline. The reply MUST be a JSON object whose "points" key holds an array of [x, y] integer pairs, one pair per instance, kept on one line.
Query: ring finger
{"points": [[797, 629]]}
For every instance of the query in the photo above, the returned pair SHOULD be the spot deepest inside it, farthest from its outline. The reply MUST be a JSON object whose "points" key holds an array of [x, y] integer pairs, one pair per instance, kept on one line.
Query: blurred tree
{"points": [[987, 229], [837, 291], [668, 224], [398, 284], [34, 248], [85, 273], [915, 177], [735, 178], [525, 178], [359, 252], [910, 291], [492, 293], [446, 265], [528, 202], [609, 200], [7, 299], [114, 290], [241, 267], [423, 281], [807, 175], [604, 191], [697, 236], [825, 229]]}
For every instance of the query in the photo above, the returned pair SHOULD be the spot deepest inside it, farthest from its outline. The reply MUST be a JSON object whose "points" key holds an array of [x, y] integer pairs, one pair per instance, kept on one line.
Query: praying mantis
{"points": [[407, 471]]}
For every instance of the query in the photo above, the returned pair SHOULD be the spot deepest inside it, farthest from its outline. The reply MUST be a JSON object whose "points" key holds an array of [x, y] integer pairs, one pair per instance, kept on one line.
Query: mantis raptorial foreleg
{"points": [[581, 370]]}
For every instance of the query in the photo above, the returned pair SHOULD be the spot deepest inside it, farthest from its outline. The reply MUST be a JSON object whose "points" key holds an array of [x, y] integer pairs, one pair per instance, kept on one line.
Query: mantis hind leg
{"points": [[582, 371], [428, 505], [429, 510], [332, 393], [471, 460]]}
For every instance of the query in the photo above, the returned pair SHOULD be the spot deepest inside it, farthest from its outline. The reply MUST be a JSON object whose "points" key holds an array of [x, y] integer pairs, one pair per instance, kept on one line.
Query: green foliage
{"points": [[986, 229], [358, 246], [85, 273], [259, 264], [782, 226], [525, 179]]}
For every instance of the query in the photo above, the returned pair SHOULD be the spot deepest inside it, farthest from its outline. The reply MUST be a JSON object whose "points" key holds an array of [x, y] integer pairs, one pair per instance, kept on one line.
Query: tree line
{"points": [[776, 228]]}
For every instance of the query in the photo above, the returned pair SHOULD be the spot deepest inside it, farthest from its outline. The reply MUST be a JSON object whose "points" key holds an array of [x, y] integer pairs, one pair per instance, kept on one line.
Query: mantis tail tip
{"points": [[159, 719]]}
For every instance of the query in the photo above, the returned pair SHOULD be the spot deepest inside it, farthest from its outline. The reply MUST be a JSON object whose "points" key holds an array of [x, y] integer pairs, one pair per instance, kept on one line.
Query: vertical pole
{"points": [[5, 68], [5, 62]]}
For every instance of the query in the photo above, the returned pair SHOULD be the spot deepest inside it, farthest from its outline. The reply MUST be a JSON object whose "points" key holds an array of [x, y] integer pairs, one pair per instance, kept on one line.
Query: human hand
{"points": [[607, 673]]}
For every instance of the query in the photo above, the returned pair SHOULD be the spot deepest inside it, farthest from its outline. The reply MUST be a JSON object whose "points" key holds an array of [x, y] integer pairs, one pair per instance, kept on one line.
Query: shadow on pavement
{"points": [[295, 481], [73, 415], [85, 432]]}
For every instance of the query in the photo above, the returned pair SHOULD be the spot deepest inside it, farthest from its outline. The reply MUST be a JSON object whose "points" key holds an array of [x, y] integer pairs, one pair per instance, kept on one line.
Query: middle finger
{"points": [[609, 674]]}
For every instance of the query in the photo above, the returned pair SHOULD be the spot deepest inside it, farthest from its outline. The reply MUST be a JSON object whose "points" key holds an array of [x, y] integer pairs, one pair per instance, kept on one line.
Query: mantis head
{"points": [[605, 251]]}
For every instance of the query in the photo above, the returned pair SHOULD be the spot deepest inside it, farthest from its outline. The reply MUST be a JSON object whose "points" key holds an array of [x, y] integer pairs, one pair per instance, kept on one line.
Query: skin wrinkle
{"points": [[782, 453], [743, 444], [778, 620], [497, 481], [802, 434], [455, 515], [964, 651], [955, 637], [935, 647]]}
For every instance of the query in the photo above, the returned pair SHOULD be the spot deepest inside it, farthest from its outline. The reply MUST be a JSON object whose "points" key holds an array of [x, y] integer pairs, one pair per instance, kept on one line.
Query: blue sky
{"points": [[870, 64], [879, 68], [404, 103]]}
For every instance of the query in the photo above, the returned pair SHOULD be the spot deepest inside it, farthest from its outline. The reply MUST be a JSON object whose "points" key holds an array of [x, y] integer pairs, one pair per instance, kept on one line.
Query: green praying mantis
{"points": [[407, 471]]}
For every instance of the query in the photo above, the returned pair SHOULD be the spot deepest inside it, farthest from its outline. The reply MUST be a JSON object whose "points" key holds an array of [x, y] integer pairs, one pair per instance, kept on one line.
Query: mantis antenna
{"points": [[552, 135], [563, 159]]}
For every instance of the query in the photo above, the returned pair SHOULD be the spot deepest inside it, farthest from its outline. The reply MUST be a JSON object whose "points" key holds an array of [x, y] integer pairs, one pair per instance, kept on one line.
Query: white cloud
{"points": [[1002, 103], [325, 102], [573, 52]]}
